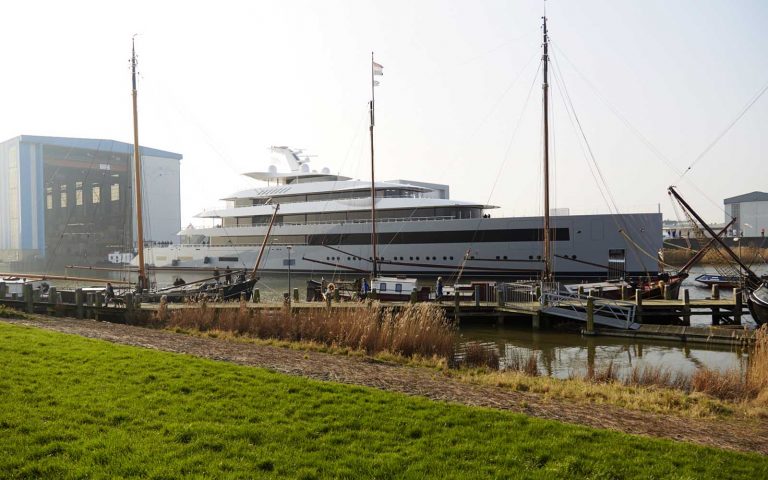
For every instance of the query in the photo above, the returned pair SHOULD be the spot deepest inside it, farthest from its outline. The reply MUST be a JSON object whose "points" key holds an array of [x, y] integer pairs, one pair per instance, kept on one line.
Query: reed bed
{"points": [[518, 361], [7, 312], [416, 330]]}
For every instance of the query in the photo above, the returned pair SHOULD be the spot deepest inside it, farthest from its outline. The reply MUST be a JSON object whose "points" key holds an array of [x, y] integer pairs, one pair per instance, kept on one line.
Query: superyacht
{"points": [[323, 226]]}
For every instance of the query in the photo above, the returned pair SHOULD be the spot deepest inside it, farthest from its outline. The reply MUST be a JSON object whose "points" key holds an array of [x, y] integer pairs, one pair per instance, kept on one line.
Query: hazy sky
{"points": [[653, 83]]}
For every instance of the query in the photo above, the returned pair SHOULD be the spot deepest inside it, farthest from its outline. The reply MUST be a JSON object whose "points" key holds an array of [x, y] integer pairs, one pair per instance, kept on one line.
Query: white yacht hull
{"points": [[493, 247]]}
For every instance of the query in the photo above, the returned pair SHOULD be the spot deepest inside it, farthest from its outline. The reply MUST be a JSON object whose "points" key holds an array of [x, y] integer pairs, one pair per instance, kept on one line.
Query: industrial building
{"points": [[68, 200], [751, 213]]}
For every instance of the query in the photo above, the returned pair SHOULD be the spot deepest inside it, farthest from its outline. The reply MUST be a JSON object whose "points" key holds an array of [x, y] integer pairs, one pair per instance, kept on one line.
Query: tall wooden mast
{"points": [[143, 284], [373, 180], [547, 274]]}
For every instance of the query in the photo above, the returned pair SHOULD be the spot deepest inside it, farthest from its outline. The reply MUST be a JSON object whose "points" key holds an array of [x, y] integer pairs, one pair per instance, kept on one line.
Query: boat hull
{"points": [[585, 247], [758, 304]]}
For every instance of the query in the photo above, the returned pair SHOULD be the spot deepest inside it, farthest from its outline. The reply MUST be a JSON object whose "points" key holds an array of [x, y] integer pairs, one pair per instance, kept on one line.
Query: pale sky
{"points": [[222, 81]]}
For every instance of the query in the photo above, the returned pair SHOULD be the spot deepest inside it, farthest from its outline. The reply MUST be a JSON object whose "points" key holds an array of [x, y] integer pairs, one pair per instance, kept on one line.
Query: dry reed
{"points": [[415, 330]]}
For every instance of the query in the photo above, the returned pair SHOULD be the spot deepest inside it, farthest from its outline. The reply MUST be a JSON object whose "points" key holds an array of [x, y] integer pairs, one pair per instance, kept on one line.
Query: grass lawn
{"points": [[71, 407]]}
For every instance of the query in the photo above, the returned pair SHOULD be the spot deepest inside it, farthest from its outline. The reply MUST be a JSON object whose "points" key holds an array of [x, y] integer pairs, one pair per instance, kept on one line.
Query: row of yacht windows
{"points": [[326, 196], [450, 212], [394, 259]]}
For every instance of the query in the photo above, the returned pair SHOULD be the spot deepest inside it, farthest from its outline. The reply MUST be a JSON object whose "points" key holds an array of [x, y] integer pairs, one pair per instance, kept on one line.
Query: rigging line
{"points": [[641, 250], [505, 158], [618, 219], [746, 108], [619, 115]]}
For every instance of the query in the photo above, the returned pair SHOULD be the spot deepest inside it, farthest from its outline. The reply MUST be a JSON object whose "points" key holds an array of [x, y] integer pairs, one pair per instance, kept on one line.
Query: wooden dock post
{"points": [[737, 306], [667, 292], [79, 298], [686, 308], [53, 296], [623, 292], [295, 294], [599, 292], [29, 299], [129, 306], [456, 305], [256, 296], [639, 306], [581, 290], [590, 315], [715, 292]]}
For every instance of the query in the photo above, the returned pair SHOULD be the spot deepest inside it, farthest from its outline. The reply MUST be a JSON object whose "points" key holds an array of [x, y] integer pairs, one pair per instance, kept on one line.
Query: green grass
{"points": [[72, 408]]}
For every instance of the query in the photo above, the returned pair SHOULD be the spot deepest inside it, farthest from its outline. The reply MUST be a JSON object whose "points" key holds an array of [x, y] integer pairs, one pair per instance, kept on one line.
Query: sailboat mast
{"points": [[137, 171], [373, 180], [545, 88]]}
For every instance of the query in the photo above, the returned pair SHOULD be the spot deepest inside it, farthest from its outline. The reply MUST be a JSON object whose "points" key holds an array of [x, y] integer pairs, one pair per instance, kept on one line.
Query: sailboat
{"points": [[756, 287], [649, 286], [212, 287], [387, 288]]}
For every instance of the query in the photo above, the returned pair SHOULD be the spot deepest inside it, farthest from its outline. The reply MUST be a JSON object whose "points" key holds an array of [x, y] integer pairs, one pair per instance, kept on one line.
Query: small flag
{"points": [[376, 83], [378, 69]]}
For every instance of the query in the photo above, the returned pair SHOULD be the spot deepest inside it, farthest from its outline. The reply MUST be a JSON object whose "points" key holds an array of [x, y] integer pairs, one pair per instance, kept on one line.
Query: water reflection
{"points": [[564, 355]]}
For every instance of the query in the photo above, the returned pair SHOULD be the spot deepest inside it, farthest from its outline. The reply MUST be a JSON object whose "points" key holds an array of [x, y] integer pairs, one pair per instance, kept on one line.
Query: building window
{"points": [[63, 197], [115, 192], [78, 193], [96, 194], [49, 198]]}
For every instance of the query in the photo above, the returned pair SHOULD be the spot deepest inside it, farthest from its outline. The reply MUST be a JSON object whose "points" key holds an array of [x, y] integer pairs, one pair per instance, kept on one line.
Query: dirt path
{"points": [[735, 434]]}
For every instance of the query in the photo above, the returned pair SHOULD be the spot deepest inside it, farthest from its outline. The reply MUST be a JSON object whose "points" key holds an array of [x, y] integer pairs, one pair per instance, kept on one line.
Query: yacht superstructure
{"points": [[326, 220]]}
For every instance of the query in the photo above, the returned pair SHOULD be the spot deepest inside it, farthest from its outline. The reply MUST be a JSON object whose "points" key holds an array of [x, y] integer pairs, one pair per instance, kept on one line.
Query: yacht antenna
{"points": [[545, 87], [142, 282]]}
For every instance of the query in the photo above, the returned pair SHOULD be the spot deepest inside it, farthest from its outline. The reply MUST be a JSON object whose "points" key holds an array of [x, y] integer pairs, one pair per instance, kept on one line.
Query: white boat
{"points": [[326, 219]]}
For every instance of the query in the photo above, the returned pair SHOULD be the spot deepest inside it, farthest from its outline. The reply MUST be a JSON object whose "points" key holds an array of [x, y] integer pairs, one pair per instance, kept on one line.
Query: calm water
{"points": [[560, 354]]}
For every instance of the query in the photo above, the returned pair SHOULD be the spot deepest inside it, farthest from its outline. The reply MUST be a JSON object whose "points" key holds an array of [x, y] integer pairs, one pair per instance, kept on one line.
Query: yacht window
{"points": [[530, 257], [382, 287], [505, 257], [444, 259], [451, 258], [498, 258], [399, 287], [538, 257], [411, 258]]}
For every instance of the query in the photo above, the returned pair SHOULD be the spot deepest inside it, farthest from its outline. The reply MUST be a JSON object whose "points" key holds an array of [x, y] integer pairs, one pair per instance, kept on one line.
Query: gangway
{"points": [[611, 313]]}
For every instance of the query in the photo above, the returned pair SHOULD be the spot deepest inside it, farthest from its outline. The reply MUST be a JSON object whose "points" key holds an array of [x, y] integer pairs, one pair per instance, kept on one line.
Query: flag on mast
{"points": [[378, 69], [376, 83]]}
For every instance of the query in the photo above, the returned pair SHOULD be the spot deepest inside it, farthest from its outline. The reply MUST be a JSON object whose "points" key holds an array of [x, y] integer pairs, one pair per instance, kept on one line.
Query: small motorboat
{"points": [[720, 280]]}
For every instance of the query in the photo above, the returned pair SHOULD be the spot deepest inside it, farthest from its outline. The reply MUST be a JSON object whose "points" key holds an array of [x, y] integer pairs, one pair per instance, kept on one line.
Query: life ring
{"points": [[331, 287]]}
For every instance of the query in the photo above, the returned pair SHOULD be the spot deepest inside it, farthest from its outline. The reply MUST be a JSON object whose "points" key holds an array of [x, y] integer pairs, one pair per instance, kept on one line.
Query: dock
{"points": [[660, 319]]}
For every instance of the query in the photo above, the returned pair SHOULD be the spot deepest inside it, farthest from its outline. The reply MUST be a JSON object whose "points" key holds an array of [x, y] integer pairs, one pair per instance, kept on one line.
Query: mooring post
{"points": [[414, 296], [590, 315], [737, 306], [667, 292], [715, 292], [256, 295], [623, 292], [477, 295], [129, 305], [686, 308], [599, 292], [456, 305], [79, 298], [3, 290], [580, 290], [295, 294], [29, 299], [53, 296], [639, 306]]}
